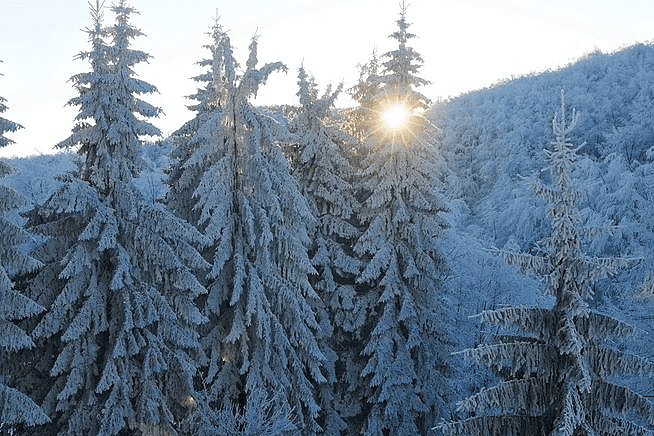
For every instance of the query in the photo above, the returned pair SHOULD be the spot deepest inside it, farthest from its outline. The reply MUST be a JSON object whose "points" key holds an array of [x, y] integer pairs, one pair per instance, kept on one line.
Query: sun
{"points": [[396, 116]]}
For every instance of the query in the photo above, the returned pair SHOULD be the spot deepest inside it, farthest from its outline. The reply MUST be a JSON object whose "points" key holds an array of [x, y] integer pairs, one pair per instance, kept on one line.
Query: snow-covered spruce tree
{"points": [[118, 279], [197, 138], [184, 174], [262, 331], [261, 415], [16, 408], [397, 90], [401, 282], [325, 177], [560, 374]]}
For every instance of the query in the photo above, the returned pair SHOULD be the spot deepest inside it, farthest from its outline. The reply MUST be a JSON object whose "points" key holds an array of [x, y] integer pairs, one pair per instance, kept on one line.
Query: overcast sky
{"points": [[466, 45]]}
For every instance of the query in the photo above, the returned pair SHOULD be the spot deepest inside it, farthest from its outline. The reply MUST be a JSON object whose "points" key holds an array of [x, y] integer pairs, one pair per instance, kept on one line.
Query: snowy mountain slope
{"points": [[493, 142], [502, 130]]}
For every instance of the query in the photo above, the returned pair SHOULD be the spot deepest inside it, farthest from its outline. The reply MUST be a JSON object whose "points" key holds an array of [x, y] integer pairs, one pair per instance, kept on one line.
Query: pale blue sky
{"points": [[466, 45]]}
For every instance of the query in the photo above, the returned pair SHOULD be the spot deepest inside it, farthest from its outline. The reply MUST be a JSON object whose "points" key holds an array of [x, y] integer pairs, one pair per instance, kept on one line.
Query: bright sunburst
{"points": [[396, 116]]}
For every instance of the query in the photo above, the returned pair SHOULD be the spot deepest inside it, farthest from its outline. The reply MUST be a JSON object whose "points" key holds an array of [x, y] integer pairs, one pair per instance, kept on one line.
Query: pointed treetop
{"points": [[123, 30], [399, 76], [561, 130], [306, 91], [404, 63], [402, 35], [218, 64], [368, 83], [254, 51], [562, 156], [308, 94], [217, 70], [96, 32], [97, 13], [112, 118], [123, 9], [217, 31]]}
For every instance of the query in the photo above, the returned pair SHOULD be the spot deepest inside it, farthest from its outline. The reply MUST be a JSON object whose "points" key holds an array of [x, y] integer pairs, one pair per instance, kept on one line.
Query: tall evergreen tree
{"points": [[16, 408], [118, 278], [401, 282], [184, 174], [325, 177], [262, 331], [561, 371]]}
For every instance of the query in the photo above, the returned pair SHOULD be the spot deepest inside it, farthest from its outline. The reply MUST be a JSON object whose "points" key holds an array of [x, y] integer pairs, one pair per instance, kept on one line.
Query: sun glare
{"points": [[396, 116]]}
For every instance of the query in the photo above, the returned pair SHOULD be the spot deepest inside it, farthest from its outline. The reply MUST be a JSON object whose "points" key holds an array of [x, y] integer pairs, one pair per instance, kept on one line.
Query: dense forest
{"points": [[477, 266]]}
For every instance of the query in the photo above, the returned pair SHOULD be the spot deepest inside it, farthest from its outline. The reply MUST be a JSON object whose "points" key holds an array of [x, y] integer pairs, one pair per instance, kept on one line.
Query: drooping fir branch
{"points": [[16, 408]]}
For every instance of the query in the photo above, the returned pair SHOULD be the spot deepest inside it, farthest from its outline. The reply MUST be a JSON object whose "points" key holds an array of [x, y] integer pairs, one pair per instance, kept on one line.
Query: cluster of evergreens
{"points": [[290, 281]]}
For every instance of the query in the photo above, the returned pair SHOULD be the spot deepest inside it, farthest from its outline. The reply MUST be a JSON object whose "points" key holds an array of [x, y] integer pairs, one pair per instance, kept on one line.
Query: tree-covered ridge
{"points": [[498, 133], [492, 142]]}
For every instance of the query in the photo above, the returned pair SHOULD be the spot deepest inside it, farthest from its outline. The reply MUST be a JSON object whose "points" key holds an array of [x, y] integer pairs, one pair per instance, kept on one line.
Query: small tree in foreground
{"points": [[560, 375]]}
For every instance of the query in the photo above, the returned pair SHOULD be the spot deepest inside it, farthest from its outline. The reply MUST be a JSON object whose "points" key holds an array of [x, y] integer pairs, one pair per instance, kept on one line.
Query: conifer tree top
{"points": [[212, 94], [402, 66], [112, 118], [391, 107]]}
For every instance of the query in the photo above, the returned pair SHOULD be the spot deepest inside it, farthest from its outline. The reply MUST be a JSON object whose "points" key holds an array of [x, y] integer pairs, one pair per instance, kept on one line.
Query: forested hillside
{"points": [[493, 142]]}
